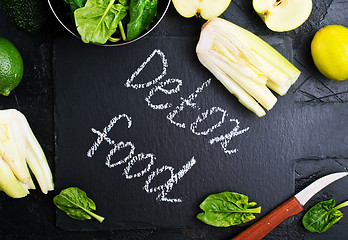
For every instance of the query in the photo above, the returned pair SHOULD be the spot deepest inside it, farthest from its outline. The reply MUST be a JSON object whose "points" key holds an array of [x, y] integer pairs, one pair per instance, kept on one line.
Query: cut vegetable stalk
{"points": [[259, 92], [263, 49], [248, 70], [243, 97], [19, 147], [36, 158], [245, 64], [13, 158], [273, 73], [275, 87], [9, 183]]}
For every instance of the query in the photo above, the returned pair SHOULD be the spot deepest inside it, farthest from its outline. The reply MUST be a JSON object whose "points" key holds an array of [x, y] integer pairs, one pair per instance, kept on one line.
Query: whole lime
{"points": [[330, 51], [11, 67]]}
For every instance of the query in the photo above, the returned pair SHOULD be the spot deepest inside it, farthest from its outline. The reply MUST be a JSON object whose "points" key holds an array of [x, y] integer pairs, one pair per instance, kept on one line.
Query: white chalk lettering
{"points": [[117, 147], [132, 160], [149, 159], [160, 87], [129, 82], [106, 130], [225, 139], [204, 116], [139, 157], [187, 102], [164, 189], [190, 102]]}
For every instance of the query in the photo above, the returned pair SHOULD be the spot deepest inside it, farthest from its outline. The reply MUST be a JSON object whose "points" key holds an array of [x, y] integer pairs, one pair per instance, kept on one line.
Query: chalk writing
{"points": [[167, 187], [225, 139], [189, 102], [143, 65], [117, 147], [204, 116], [163, 189], [139, 157], [160, 87], [167, 87]]}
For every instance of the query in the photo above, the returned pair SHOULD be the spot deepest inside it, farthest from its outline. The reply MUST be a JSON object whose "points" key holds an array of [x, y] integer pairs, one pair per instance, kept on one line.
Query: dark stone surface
{"points": [[92, 92], [34, 216]]}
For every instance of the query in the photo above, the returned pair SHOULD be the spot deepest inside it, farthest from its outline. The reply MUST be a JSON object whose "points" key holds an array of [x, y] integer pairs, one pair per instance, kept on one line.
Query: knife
{"points": [[290, 208]]}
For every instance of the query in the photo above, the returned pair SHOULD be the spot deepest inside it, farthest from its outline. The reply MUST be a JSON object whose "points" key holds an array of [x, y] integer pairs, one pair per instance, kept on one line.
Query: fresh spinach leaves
{"points": [[141, 13], [226, 209], [322, 216], [98, 20], [76, 204], [124, 2], [75, 4]]}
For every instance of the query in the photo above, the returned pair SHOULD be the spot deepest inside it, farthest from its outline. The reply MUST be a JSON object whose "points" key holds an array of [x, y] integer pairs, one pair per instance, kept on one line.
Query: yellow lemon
{"points": [[330, 51]]}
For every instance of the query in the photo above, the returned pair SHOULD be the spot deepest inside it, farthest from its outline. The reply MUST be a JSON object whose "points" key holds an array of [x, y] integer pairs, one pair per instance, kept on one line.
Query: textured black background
{"points": [[92, 92], [34, 216]]}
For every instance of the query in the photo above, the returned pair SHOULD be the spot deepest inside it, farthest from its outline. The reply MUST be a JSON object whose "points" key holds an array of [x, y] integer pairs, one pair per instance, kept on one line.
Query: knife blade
{"points": [[289, 208]]}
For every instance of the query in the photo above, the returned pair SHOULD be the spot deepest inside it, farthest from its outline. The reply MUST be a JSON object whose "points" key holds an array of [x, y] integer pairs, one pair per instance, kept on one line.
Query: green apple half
{"points": [[207, 9], [283, 15]]}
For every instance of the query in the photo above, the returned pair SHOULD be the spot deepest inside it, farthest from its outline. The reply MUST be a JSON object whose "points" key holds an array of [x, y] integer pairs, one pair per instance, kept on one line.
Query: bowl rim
{"points": [[112, 44]]}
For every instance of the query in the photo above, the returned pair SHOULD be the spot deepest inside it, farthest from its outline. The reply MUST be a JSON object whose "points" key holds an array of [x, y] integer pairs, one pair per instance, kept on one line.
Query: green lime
{"points": [[11, 67]]}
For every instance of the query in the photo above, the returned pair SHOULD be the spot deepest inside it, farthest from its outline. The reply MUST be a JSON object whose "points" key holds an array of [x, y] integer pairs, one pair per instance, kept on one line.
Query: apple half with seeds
{"points": [[283, 15], [206, 9]]}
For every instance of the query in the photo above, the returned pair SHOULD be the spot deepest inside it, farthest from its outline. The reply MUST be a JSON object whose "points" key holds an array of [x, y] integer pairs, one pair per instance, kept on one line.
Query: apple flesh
{"points": [[206, 9], [283, 15]]}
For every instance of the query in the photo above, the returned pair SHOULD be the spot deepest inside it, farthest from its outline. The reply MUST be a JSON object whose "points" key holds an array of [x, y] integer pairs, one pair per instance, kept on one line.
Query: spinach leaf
{"points": [[141, 14], [322, 216], [98, 20], [226, 209], [124, 2], [75, 4], [76, 204]]}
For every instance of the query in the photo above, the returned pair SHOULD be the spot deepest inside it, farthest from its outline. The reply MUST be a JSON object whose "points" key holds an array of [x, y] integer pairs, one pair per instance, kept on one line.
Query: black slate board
{"points": [[90, 90]]}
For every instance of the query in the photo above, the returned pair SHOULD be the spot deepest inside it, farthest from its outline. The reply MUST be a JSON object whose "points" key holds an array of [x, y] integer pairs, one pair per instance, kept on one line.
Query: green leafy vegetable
{"points": [[75, 4], [141, 14], [322, 216], [98, 20], [124, 2], [76, 204], [226, 209]]}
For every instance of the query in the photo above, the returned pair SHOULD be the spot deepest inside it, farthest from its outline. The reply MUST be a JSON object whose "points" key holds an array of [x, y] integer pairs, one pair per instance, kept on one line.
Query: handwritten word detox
{"points": [[169, 86]]}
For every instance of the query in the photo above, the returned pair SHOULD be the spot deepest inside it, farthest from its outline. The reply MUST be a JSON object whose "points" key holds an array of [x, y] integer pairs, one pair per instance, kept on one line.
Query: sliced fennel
{"points": [[18, 149], [9, 183], [245, 64]]}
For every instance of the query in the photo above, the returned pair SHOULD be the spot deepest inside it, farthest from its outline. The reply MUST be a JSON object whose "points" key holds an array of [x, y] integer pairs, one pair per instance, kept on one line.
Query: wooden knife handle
{"points": [[270, 221]]}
